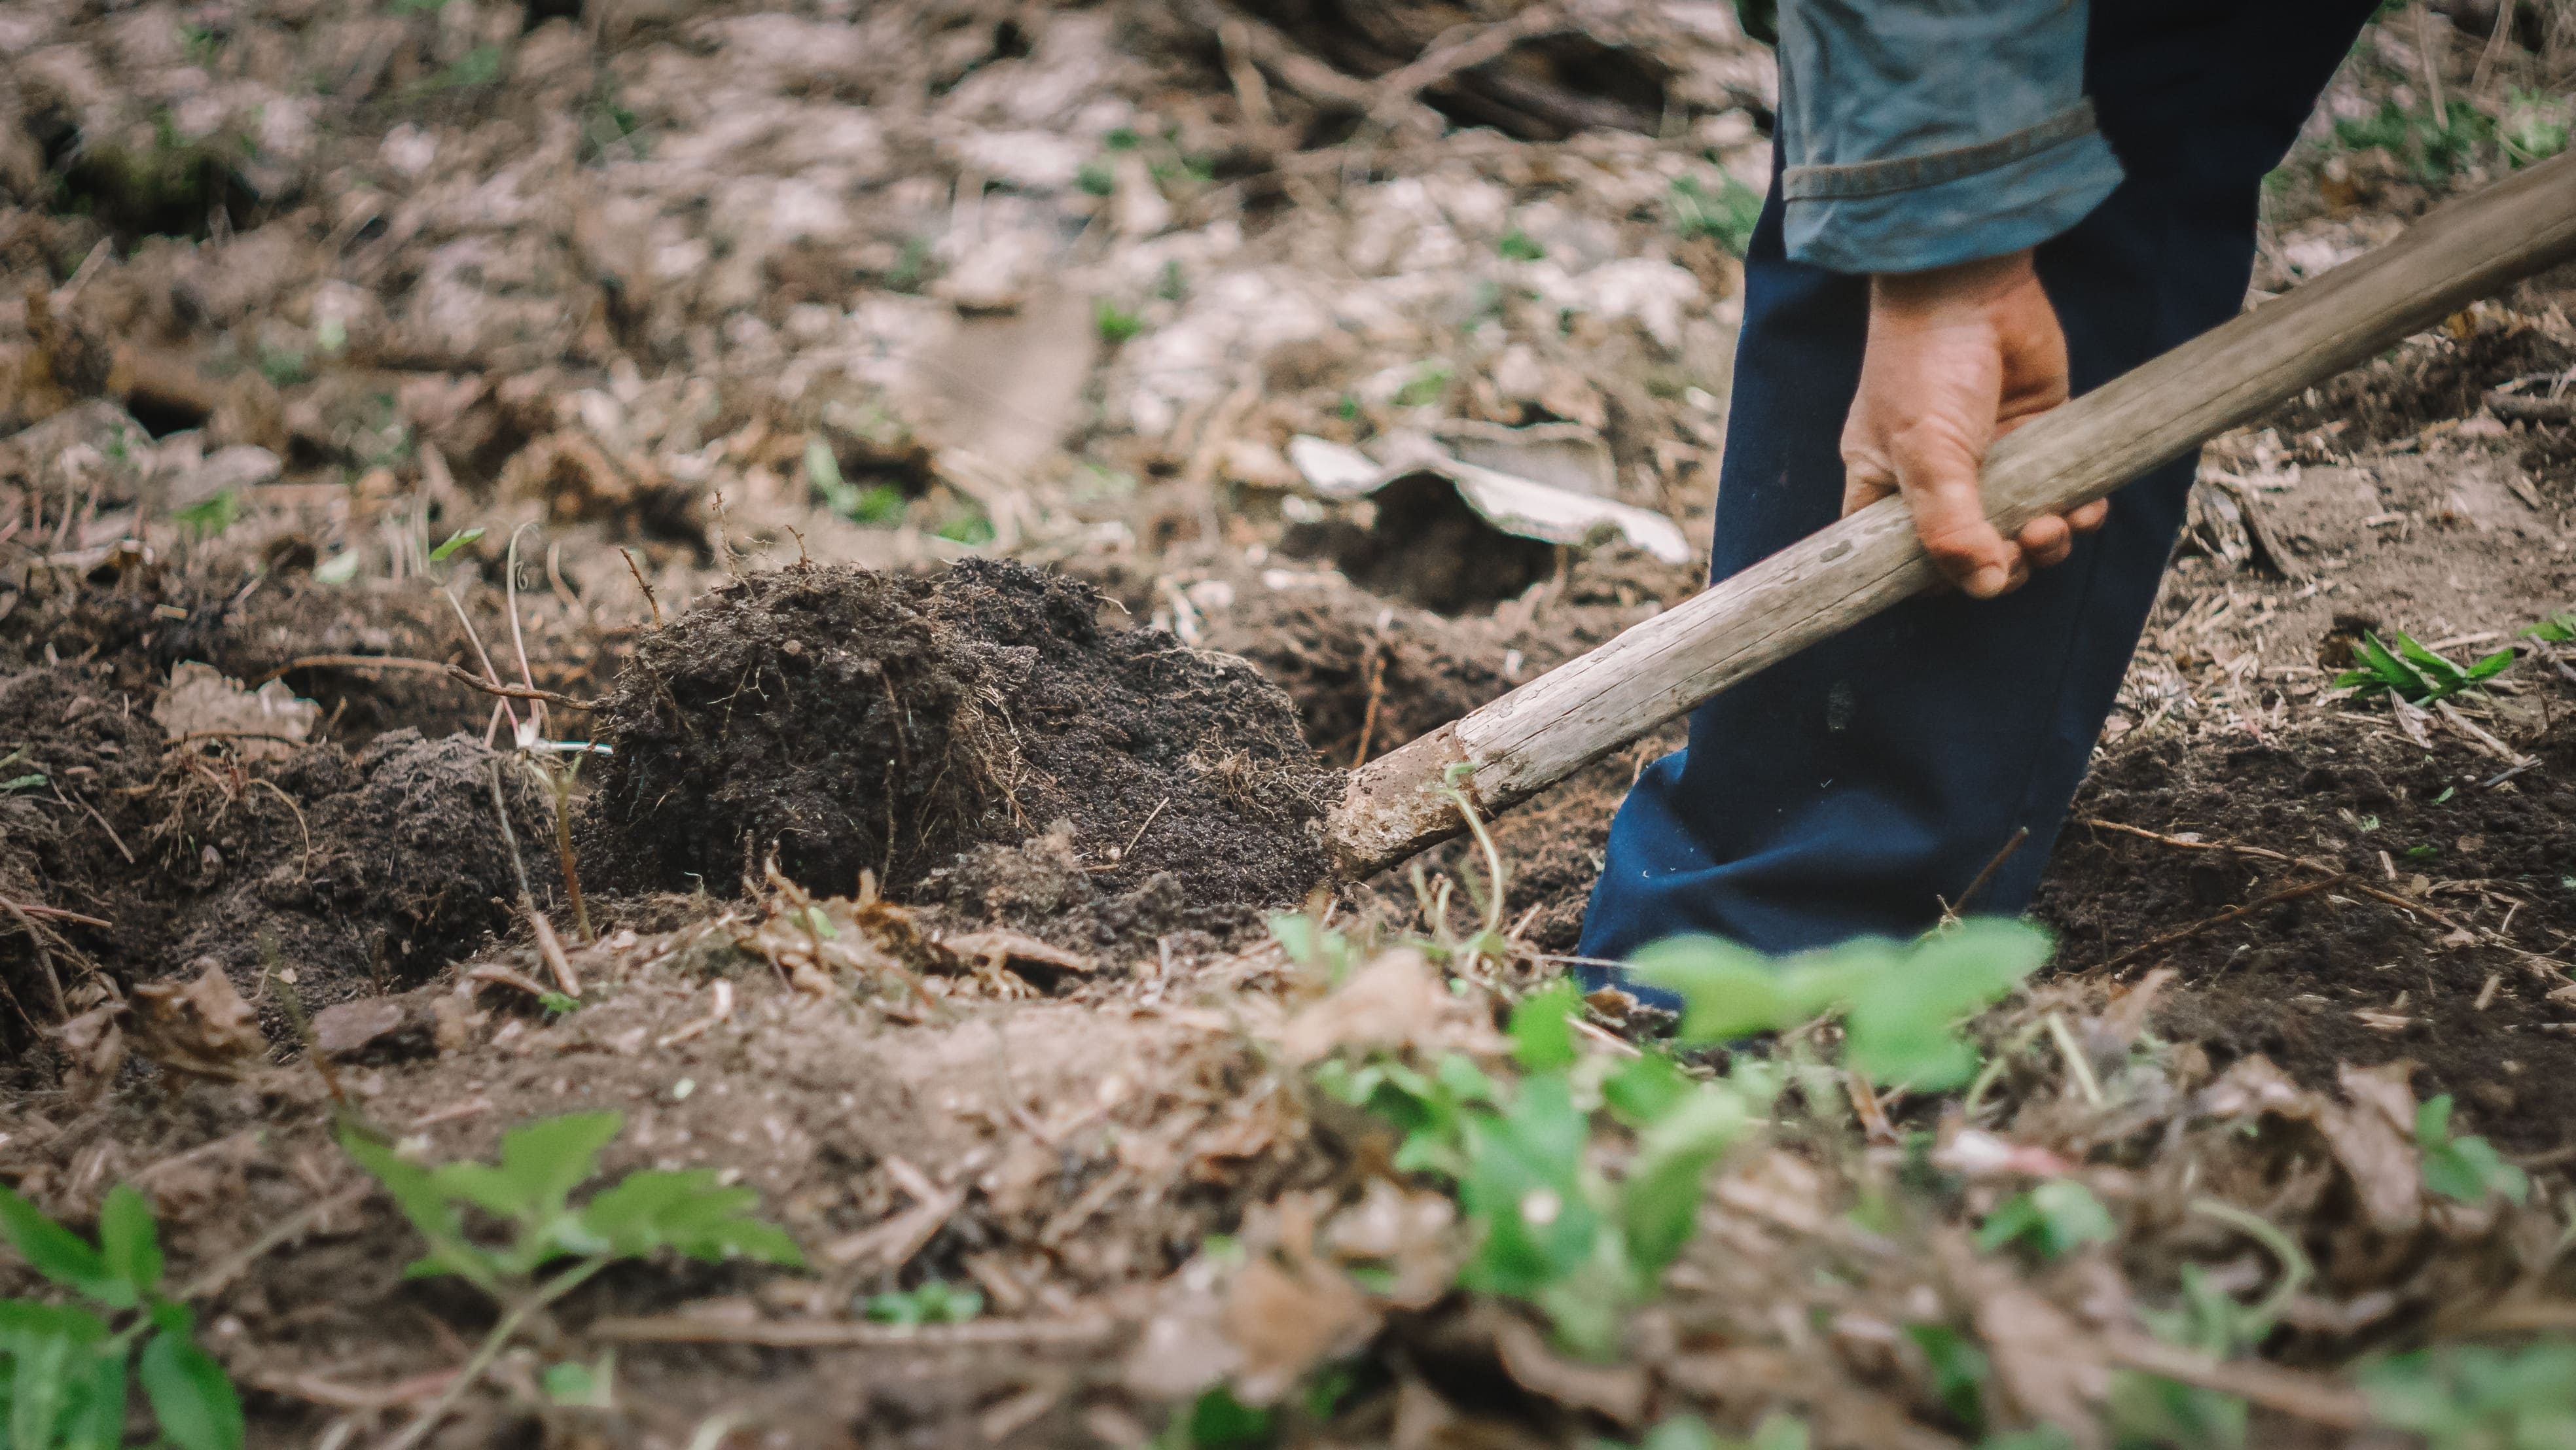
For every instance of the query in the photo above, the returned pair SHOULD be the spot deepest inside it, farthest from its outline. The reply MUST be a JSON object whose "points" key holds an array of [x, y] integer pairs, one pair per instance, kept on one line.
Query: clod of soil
{"points": [[357, 872], [975, 737]]}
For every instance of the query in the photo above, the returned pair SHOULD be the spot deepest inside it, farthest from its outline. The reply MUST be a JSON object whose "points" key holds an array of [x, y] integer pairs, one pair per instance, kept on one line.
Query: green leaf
{"points": [[2389, 671], [40, 1387], [1959, 1371], [687, 1211], [127, 1240], [209, 516], [1522, 1184], [2492, 665], [544, 1161], [2556, 629], [2055, 1217], [190, 1395], [1903, 1027], [582, 1386], [97, 1415], [2467, 1169], [1659, 1200], [416, 1191], [1645, 1088], [1542, 1028], [452, 543], [24, 782], [2446, 676], [61, 1255], [1219, 1421], [1728, 991]]}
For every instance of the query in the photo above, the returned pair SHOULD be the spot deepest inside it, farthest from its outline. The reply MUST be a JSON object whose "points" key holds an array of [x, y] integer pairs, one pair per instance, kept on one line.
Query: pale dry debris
{"points": [[1395, 1003], [264, 724], [201, 1026]]}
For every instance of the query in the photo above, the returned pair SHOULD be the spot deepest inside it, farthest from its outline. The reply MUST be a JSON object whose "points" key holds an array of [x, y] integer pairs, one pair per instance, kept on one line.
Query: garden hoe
{"points": [[1503, 753]]}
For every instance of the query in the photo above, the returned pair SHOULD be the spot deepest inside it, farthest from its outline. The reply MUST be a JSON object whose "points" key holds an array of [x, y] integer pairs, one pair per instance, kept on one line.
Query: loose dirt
{"points": [[977, 737]]}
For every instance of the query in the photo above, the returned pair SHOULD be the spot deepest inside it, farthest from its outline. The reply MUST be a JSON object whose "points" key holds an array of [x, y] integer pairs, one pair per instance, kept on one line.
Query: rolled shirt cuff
{"points": [[1906, 214]]}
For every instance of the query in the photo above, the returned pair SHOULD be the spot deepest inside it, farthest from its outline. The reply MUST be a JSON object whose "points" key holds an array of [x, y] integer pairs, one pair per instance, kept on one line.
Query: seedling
{"points": [[2432, 146], [1428, 383], [209, 516], [2471, 1397], [2056, 1218], [1901, 1002], [1115, 323], [935, 1302], [448, 546], [2558, 628], [1726, 216], [2415, 673], [529, 1191], [2467, 1169], [1516, 246], [67, 1364]]}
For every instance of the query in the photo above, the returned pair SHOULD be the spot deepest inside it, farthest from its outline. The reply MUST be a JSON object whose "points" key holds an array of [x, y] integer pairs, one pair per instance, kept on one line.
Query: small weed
{"points": [[876, 505], [1096, 179], [284, 367], [2467, 1169], [1726, 216], [453, 542], [935, 1302], [2415, 673], [2431, 147], [209, 516], [1516, 246], [1115, 323], [2534, 127], [2471, 1397], [2055, 1218], [1216, 1420], [967, 526], [1428, 384], [530, 1191], [2558, 628], [1172, 287], [67, 1367]]}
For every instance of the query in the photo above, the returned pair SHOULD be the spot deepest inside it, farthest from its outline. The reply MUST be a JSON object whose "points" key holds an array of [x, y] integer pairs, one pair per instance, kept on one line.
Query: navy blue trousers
{"points": [[1850, 790]]}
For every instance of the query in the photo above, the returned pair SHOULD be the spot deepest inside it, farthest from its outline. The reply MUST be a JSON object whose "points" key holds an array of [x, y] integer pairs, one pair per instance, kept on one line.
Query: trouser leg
{"points": [[1851, 789]]}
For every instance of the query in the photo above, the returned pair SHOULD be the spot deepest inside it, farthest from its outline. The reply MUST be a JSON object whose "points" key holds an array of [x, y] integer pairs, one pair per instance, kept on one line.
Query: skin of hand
{"points": [[1957, 357]]}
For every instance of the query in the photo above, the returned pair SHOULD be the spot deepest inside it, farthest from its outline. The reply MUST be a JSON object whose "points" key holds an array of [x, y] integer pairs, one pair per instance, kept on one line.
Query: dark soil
{"points": [[2288, 981], [358, 872], [975, 737], [2441, 374], [255, 615]]}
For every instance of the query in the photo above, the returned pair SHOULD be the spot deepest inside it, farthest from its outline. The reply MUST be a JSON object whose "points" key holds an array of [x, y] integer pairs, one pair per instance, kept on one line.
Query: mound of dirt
{"points": [[359, 872], [975, 737], [2339, 975]]}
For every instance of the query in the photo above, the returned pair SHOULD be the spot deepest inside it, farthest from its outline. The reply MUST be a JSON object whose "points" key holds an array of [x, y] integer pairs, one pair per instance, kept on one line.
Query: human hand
{"points": [[1957, 357]]}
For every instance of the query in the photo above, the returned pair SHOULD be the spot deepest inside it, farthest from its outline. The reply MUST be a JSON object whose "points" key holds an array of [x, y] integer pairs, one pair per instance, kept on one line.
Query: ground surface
{"points": [[651, 362]]}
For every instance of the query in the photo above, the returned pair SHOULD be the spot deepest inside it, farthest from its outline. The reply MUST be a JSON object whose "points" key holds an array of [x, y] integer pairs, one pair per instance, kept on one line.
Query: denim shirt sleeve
{"points": [[1918, 133]]}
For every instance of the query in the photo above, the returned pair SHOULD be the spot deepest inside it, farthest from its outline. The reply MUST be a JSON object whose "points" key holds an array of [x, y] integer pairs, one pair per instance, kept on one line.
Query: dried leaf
{"points": [[1287, 1322], [264, 724], [93, 1049], [1394, 1003], [203, 1027]]}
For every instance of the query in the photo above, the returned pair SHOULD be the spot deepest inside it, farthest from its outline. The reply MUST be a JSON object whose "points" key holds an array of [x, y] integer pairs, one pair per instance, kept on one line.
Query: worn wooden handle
{"points": [[1535, 736]]}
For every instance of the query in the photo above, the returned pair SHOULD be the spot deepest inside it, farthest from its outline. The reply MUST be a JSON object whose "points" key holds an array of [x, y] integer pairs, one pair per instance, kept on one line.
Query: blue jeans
{"points": [[1850, 790]]}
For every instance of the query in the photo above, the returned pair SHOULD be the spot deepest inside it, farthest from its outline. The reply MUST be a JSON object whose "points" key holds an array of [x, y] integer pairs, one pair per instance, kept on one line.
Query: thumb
{"points": [[1939, 479]]}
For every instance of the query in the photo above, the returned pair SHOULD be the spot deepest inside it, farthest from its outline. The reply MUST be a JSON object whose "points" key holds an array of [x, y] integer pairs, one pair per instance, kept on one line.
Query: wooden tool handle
{"points": [[1538, 734]]}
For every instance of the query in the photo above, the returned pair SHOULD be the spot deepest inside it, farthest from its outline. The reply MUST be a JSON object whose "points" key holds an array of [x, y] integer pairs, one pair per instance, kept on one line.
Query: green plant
{"points": [[448, 546], [1216, 1420], [1725, 216], [529, 1192], [1516, 246], [1689, 1432], [209, 516], [1115, 323], [2056, 1218], [2534, 126], [2471, 1397], [2558, 628], [935, 1302], [1428, 383], [2413, 672], [284, 367], [67, 1365], [2431, 146], [1901, 1002], [876, 505], [2468, 1169], [1096, 179], [968, 526], [478, 67], [31, 780]]}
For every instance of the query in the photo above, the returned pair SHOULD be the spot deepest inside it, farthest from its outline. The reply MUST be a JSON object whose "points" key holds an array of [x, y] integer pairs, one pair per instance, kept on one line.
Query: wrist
{"points": [[1961, 284]]}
